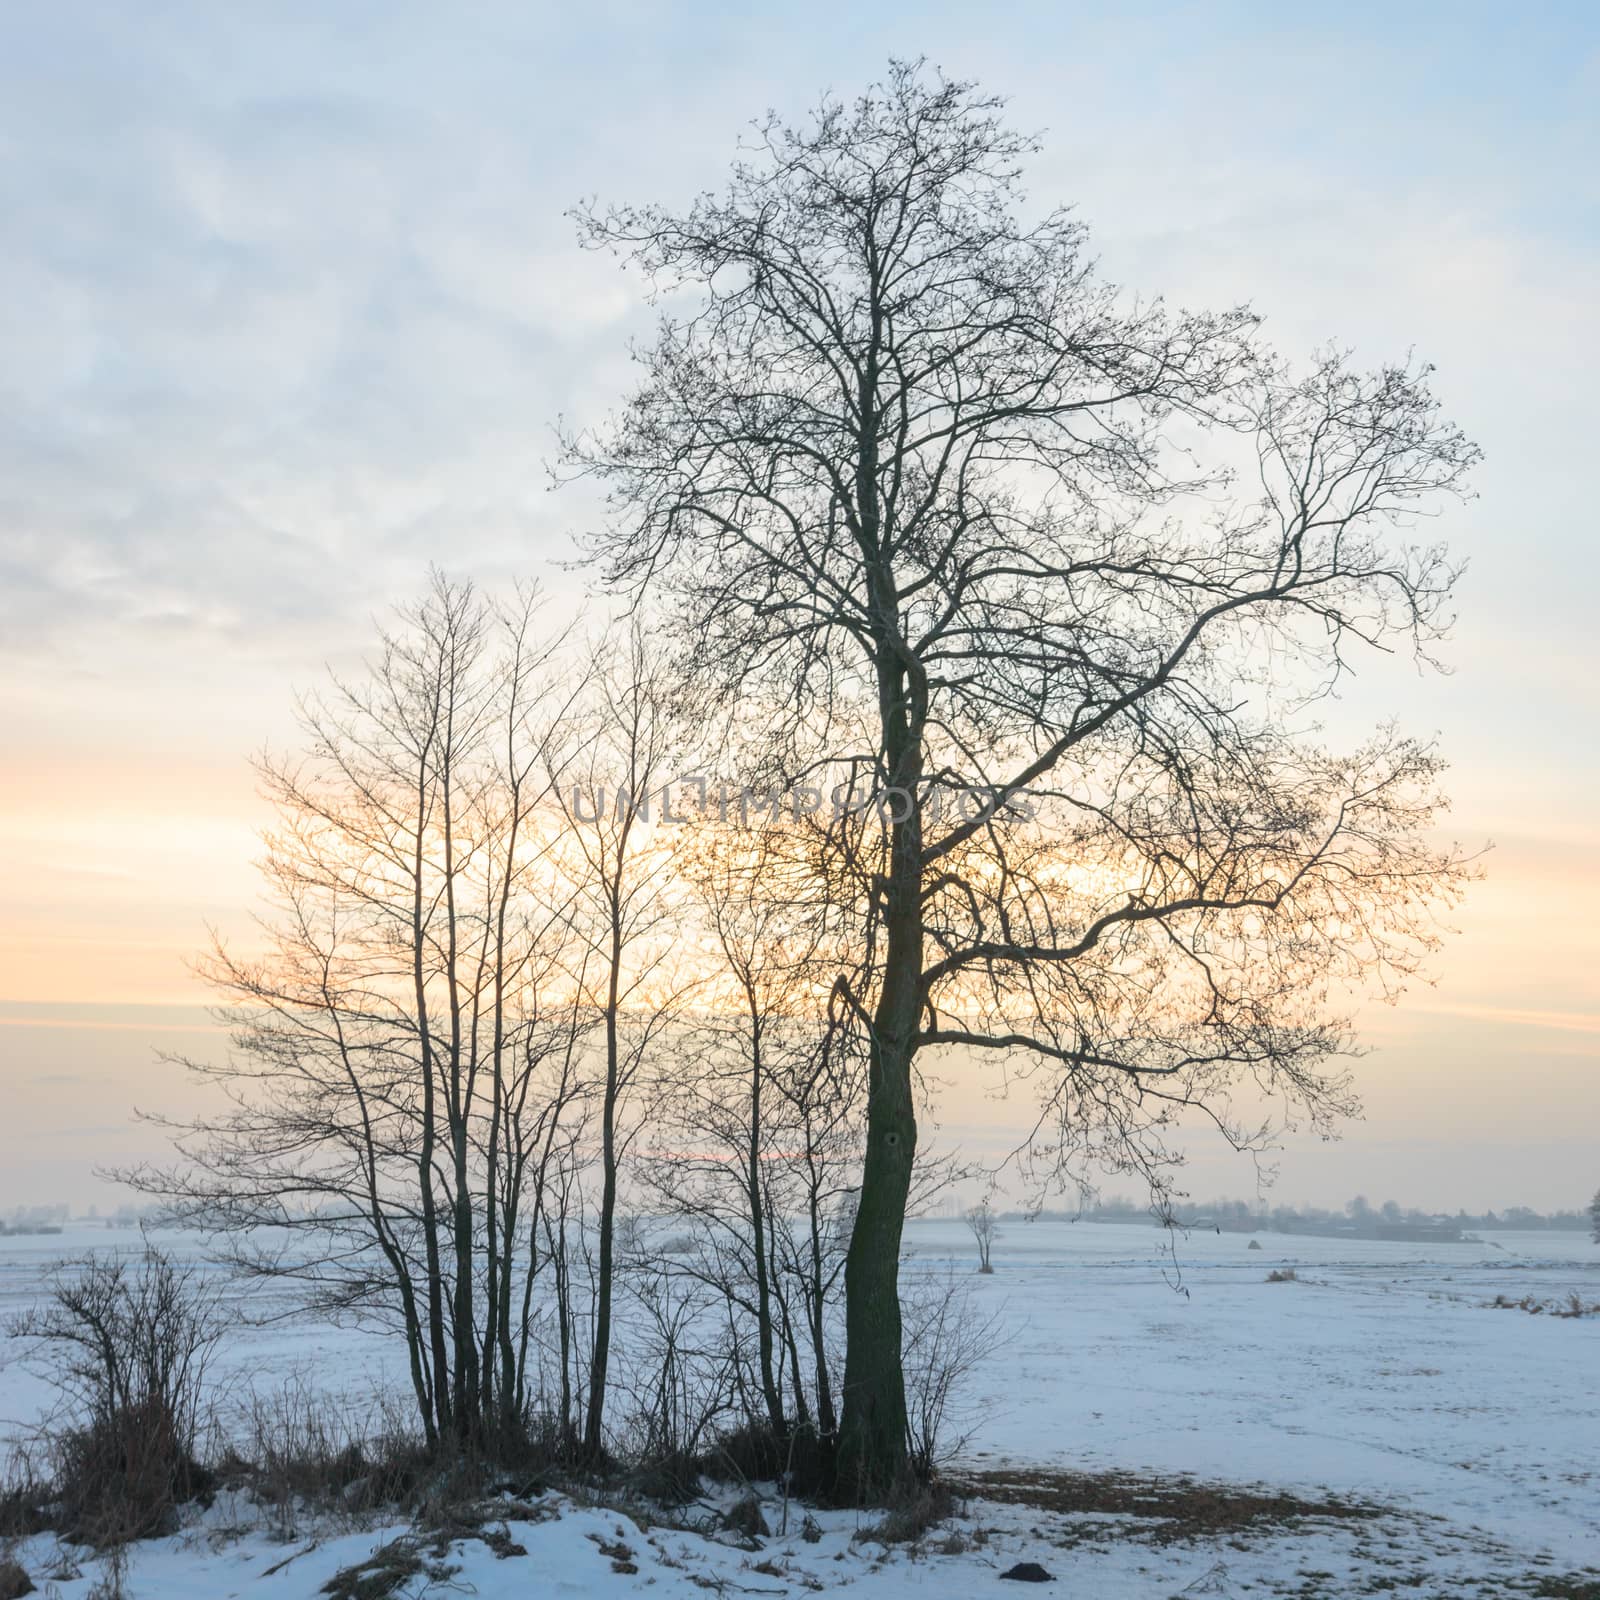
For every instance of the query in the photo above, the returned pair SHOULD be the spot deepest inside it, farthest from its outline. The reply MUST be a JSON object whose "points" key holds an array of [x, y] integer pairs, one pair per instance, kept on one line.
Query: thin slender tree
{"points": [[1062, 573], [985, 1229], [757, 1136], [631, 975]]}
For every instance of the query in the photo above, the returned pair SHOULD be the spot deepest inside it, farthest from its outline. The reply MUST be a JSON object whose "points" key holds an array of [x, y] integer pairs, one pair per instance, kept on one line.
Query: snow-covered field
{"points": [[1381, 1375]]}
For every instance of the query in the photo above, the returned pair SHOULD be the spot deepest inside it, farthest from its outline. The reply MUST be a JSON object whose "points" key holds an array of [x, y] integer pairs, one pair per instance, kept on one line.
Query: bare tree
{"points": [[1058, 576], [628, 971], [985, 1229], [757, 1134], [403, 1052]]}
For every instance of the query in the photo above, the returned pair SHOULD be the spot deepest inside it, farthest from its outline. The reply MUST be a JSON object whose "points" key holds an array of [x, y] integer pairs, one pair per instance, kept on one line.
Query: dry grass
{"points": [[425, 1552], [296, 1453], [1165, 1511], [1572, 1306], [913, 1516], [14, 1580], [386, 1571]]}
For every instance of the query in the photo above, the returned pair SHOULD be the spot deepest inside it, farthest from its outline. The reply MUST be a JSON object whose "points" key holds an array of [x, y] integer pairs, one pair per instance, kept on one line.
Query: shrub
{"points": [[1282, 1275], [14, 1580], [24, 1499], [944, 1342], [126, 1345], [752, 1452], [800, 1458], [744, 1518]]}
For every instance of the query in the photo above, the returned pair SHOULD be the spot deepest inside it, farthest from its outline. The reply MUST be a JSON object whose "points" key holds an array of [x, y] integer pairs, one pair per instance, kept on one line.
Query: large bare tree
{"points": [[1063, 572]]}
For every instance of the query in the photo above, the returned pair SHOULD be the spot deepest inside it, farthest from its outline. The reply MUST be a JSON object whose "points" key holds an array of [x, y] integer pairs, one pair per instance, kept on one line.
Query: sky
{"points": [[289, 307]]}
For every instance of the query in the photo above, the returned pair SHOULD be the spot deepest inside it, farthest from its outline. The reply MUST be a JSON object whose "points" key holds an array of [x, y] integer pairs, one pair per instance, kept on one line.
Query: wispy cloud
{"points": [[1514, 1016], [289, 303]]}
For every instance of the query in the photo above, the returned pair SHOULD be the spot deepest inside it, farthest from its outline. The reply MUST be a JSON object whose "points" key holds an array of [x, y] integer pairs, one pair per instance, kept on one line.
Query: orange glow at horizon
{"points": [[113, 874]]}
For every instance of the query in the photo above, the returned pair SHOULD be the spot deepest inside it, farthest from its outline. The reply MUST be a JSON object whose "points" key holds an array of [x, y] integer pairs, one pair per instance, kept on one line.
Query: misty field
{"points": [[1150, 1418]]}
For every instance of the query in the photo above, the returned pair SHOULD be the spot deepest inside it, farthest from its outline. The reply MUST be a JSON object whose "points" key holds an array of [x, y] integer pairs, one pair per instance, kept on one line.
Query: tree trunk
{"points": [[873, 1457], [439, 1378], [758, 1235], [600, 1360], [816, 1296]]}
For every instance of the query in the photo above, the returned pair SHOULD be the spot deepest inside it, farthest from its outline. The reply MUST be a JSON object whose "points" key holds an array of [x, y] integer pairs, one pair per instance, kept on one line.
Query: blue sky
{"points": [[288, 305]]}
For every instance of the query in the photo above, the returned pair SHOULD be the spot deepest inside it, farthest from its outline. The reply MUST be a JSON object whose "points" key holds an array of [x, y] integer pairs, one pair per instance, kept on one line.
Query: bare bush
{"points": [[14, 1579], [681, 1382], [126, 1344], [946, 1341]]}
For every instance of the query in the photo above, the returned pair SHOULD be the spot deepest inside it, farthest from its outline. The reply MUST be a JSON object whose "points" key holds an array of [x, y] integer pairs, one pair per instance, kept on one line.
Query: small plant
{"points": [[1283, 1275], [112, 1584]]}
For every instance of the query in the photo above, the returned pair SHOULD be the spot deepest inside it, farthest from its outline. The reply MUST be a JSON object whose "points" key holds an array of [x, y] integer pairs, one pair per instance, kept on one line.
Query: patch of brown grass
{"points": [[1167, 1510], [1578, 1587]]}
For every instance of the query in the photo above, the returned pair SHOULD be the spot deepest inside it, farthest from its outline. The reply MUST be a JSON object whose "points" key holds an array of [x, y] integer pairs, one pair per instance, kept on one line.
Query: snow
{"points": [[1381, 1374]]}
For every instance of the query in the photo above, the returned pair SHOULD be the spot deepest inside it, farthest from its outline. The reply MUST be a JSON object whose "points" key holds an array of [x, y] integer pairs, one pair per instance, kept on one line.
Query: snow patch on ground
{"points": [[1381, 1375]]}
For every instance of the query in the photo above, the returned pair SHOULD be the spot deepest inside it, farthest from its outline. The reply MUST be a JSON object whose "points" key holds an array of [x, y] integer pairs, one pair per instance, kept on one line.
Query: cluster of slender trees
{"points": [[908, 501], [498, 1006]]}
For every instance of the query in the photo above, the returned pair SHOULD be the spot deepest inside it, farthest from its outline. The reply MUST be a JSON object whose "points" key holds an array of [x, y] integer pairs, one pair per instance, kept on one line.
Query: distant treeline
{"points": [[1357, 1217], [55, 1218]]}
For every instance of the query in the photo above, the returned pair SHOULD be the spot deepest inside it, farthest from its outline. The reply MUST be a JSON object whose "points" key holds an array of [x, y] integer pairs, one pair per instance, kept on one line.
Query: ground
{"points": [[1147, 1426]]}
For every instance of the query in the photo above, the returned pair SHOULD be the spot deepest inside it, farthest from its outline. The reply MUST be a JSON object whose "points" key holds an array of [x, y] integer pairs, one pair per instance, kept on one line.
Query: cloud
{"points": [[1514, 1016], [289, 303]]}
